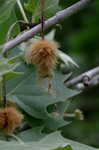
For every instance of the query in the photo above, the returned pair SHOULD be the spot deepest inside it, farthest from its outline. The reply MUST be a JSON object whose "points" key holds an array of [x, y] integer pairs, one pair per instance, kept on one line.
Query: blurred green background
{"points": [[79, 37]]}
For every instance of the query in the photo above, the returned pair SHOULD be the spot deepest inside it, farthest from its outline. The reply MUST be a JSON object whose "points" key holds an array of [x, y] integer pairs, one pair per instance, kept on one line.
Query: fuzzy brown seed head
{"points": [[43, 53], [10, 119]]}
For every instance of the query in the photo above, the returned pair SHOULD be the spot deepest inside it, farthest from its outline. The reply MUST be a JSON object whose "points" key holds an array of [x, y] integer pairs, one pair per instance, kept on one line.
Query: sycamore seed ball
{"points": [[10, 119], [43, 53]]}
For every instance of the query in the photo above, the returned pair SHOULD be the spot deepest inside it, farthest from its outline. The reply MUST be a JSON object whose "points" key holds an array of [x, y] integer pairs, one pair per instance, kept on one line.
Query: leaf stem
{"points": [[11, 29], [42, 18], [16, 138], [22, 11], [4, 91], [0, 89]]}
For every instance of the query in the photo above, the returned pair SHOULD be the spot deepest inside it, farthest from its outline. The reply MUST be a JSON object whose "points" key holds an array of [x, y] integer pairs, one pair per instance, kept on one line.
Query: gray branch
{"points": [[85, 80], [52, 21]]}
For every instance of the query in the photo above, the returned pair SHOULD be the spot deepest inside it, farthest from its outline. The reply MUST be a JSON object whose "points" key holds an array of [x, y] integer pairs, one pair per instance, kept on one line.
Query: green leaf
{"points": [[64, 148], [31, 5], [6, 9], [6, 67], [53, 141], [50, 142], [66, 59], [14, 59], [12, 75], [5, 25], [34, 98], [0, 79], [51, 7], [50, 35], [78, 146], [34, 134]]}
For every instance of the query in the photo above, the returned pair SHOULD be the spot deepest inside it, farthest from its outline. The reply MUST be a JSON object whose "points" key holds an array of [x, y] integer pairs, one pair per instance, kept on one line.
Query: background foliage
{"points": [[79, 36]]}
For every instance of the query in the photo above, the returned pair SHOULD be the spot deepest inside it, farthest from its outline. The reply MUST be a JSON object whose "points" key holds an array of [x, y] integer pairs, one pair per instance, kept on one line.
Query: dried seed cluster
{"points": [[10, 119], [43, 53]]}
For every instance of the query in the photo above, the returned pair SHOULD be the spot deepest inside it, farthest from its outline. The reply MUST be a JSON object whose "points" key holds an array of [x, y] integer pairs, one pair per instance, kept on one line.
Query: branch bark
{"points": [[85, 80], [52, 21]]}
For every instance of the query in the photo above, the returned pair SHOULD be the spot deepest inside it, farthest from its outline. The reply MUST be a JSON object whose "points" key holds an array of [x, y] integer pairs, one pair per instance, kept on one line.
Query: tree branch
{"points": [[53, 20], [85, 80]]}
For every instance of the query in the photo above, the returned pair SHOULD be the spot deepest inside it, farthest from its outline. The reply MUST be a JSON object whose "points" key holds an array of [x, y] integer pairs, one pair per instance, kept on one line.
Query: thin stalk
{"points": [[50, 85], [1, 90], [5, 54], [42, 18], [16, 138], [22, 11], [4, 91], [12, 28]]}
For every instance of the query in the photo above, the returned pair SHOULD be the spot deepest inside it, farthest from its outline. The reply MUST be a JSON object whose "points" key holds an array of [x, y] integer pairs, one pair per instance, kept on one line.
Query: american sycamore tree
{"points": [[35, 90]]}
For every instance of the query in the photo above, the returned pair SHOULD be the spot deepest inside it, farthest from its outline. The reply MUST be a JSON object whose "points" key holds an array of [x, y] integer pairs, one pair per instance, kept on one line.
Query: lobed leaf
{"points": [[34, 98], [50, 142], [53, 141]]}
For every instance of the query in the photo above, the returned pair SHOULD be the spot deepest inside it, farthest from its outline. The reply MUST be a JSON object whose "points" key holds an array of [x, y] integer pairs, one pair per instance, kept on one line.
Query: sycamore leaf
{"points": [[35, 99], [5, 25], [34, 134], [6, 67], [66, 59], [79, 146], [50, 142], [11, 75], [6, 9], [53, 141], [62, 143]]}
